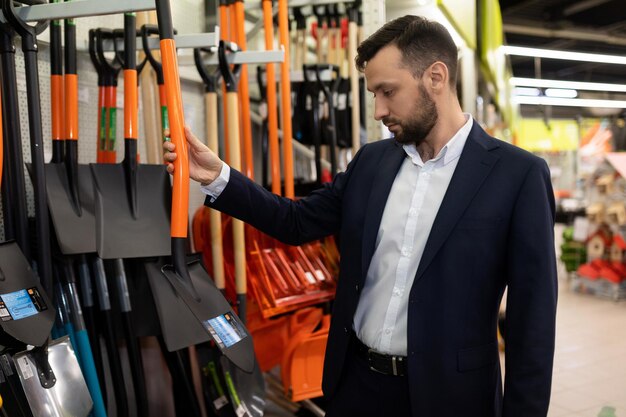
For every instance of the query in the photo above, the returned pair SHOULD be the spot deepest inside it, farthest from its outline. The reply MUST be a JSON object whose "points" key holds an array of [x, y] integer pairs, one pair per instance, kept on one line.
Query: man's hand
{"points": [[204, 164]]}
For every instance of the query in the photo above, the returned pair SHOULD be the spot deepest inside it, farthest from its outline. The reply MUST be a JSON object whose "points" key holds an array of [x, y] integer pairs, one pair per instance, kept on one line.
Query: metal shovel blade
{"points": [[69, 396], [75, 233], [120, 233], [215, 314], [26, 313], [179, 326]]}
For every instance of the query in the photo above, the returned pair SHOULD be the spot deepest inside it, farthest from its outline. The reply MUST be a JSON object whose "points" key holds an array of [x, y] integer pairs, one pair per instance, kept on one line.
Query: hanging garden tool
{"points": [[103, 83], [69, 185], [32, 316], [355, 111], [230, 80], [244, 94], [246, 390], [131, 199], [285, 90], [209, 307], [15, 214], [272, 103], [110, 73], [146, 32], [330, 125], [211, 81]]}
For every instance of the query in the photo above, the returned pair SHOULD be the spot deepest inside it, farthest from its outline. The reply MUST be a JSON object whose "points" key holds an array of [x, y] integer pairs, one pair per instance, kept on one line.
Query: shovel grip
{"points": [[56, 97], [180, 191], [131, 104], [71, 107]]}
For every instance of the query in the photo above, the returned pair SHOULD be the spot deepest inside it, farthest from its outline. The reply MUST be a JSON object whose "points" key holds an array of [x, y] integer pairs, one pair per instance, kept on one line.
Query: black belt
{"points": [[380, 362]]}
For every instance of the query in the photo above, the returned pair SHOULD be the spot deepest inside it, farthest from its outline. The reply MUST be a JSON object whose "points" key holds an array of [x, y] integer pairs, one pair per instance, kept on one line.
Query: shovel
{"points": [[132, 215], [15, 403], [15, 211], [209, 307], [110, 72], [62, 391]]}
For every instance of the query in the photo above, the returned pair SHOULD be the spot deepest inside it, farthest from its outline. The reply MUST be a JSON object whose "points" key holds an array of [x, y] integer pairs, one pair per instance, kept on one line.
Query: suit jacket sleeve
{"points": [[290, 221], [531, 299]]}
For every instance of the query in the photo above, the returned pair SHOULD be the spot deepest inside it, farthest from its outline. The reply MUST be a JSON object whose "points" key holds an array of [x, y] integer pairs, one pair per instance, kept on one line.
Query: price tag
{"points": [[310, 277], [24, 364], [581, 229], [220, 402], [240, 411]]}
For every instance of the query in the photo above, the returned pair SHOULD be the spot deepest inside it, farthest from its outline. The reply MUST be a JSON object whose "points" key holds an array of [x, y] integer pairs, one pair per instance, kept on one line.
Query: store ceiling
{"points": [[596, 26]]}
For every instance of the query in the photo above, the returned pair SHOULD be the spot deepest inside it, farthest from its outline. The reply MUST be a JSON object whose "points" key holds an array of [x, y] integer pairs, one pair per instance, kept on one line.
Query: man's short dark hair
{"points": [[422, 42]]}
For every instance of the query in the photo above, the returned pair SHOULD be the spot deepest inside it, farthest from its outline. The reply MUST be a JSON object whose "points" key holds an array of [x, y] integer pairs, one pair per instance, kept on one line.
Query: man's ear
{"points": [[437, 76]]}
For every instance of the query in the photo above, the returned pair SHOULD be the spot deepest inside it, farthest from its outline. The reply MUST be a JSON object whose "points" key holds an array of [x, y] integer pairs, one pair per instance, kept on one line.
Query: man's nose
{"points": [[380, 109]]}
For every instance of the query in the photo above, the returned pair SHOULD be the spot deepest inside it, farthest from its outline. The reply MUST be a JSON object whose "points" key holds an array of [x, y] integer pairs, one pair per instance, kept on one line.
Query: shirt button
{"points": [[387, 331], [345, 329], [396, 292], [357, 287], [406, 252], [413, 212]]}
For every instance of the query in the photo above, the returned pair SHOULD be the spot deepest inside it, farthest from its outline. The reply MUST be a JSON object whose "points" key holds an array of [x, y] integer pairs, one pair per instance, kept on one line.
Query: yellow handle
{"points": [[210, 100], [234, 149]]}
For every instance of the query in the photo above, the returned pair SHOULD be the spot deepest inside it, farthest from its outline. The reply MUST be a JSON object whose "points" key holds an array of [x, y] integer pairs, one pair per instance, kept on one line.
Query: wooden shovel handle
{"points": [[217, 252], [232, 105]]}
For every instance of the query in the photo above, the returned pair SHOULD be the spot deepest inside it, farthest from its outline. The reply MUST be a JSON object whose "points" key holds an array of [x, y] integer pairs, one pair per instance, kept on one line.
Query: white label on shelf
{"points": [[240, 411], [581, 229], [83, 95], [310, 277]]}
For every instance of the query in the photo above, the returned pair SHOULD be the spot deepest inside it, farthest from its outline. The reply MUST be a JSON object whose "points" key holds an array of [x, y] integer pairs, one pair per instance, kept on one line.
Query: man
{"points": [[432, 225]]}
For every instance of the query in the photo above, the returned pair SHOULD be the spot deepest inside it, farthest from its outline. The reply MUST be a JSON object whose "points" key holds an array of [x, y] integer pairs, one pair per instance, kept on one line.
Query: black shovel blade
{"points": [[120, 233], [215, 314], [26, 313], [75, 233], [179, 326], [249, 395]]}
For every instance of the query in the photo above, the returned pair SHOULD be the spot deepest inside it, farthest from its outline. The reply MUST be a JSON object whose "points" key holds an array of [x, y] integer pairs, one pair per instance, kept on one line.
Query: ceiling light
{"points": [[574, 85], [566, 55], [571, 102], [561, 93], [526, 91]]}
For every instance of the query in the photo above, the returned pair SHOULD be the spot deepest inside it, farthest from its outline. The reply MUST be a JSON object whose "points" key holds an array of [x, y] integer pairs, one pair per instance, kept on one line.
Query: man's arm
{"points": [[531, 299], [293, 222]]}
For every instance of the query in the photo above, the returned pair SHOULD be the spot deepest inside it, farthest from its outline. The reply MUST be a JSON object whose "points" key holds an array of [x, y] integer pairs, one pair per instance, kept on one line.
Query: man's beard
{"points": [[416, 129]]}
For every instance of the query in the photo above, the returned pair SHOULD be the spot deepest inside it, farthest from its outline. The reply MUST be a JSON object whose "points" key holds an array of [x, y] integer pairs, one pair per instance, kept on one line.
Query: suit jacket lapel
{"points": [[387, 170], [474, 165]]}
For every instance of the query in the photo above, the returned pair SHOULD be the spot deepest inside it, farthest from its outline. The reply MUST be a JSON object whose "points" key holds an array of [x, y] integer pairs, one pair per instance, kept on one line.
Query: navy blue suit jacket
{"points": [[494, 229]]}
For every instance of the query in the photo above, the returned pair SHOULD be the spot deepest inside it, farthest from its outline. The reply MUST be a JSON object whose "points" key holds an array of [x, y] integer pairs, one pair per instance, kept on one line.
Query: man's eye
{"points": [[387, 93]]}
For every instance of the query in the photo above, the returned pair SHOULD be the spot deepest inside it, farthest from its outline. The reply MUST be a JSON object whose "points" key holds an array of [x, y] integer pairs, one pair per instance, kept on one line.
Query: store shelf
{"points": [[81, 8]]}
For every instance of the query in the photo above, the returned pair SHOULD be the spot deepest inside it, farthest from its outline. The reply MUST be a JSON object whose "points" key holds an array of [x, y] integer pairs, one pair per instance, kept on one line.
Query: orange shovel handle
{"points": [[180, 191]]}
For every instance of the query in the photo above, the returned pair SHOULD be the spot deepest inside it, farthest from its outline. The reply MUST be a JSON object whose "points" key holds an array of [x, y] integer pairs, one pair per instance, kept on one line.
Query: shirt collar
{"points": [[450, 151]]}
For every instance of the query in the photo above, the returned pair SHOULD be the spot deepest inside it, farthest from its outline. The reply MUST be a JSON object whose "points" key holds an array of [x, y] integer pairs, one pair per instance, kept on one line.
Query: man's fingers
{"points": [[169, 146], [170, 156], [170, 168]]}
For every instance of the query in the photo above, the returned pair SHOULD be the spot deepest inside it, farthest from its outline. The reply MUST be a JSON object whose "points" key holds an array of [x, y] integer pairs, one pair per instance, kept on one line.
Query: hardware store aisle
{"points": [[590, 358]]}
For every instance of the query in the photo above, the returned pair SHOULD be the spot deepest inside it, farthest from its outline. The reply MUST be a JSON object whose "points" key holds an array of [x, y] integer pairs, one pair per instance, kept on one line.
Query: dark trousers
{"points": [[366, 393]]}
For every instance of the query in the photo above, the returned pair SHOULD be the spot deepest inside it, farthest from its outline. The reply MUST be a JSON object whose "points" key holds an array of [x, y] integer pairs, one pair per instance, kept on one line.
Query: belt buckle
{"points": [[369, 361]]}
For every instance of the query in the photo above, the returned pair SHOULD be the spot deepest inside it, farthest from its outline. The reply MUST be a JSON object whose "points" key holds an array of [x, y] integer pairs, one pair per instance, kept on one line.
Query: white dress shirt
{"points": [[380, 320]]}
